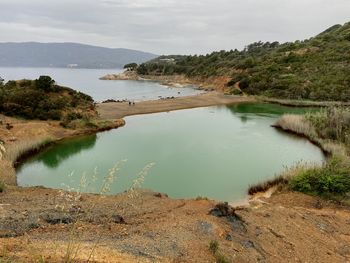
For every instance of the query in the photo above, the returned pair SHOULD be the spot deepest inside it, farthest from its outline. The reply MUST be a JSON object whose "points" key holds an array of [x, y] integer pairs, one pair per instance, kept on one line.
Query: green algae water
{"points": [[214, 152]]}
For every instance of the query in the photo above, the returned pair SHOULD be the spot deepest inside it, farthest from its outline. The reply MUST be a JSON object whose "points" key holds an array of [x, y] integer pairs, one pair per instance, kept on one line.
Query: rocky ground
{"points": [[38, 223]]}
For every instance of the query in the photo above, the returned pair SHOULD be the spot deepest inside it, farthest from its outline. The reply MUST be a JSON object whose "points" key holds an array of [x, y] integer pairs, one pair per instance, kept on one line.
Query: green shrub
{"points": [[43, 100], [44, 83], [332, 179]]}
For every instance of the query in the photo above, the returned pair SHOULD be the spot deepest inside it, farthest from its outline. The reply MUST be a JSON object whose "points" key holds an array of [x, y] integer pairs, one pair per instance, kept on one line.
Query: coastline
{"points": [[116, 110], [217, 83]]}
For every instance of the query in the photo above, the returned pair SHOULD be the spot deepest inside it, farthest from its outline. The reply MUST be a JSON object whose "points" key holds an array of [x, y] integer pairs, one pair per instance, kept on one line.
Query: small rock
{"points": [[118, 219], [229, 237], [205, 227], [76, 209], [57, 218], [222, 210], [160, 195], [248, 244]]}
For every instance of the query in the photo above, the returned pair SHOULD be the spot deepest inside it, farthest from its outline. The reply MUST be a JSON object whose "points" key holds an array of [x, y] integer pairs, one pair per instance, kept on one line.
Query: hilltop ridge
{"points": [[317, 68]]}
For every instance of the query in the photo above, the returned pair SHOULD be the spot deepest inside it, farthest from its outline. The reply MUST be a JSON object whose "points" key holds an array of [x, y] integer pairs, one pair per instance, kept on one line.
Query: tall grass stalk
{"points": [[137, 183]]}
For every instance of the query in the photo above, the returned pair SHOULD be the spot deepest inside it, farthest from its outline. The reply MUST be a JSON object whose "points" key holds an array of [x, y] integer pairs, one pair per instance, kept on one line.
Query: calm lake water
{"points": [[215, 152], [87, 81]]}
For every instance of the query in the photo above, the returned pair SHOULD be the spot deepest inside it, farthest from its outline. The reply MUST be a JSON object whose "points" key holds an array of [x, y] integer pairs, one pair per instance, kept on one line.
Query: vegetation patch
{"points": [[332, 124], [214, 249], [330, 128], [44, 100], [332, 180]]}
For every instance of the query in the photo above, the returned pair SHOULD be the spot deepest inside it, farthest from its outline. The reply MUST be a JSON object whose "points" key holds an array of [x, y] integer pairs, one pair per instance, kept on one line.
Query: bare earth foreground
{"points": [[45, 225]]}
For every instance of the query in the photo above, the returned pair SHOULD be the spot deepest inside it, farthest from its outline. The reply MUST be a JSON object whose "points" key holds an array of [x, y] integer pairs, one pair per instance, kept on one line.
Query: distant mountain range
{"points": [[33, 54]]}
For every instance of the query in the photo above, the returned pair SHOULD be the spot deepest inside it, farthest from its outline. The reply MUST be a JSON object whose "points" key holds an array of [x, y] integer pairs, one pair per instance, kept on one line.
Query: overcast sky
{"points": [[168, 26]]}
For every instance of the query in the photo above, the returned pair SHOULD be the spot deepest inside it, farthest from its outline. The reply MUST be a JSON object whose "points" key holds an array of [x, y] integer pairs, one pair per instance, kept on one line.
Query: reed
{"points": [[297, 124]]}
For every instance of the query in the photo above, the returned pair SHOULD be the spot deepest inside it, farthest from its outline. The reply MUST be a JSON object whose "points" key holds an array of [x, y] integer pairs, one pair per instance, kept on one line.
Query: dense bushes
{"points": [[332, 123], [44, 83], [330, 180], [316, 69], [42, 99]]}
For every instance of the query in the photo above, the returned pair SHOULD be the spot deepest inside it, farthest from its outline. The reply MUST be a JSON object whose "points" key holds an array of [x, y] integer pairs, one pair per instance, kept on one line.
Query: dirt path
{"points": [[116, 110]]}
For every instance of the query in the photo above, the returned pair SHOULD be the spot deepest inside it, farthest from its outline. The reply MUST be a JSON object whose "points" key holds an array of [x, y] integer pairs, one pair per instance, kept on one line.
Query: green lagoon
{"points": [[214, 152]]}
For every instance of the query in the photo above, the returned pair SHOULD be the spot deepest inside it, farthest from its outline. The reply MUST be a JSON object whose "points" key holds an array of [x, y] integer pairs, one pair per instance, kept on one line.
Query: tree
{"points": [[130, 66], [44, 83]]}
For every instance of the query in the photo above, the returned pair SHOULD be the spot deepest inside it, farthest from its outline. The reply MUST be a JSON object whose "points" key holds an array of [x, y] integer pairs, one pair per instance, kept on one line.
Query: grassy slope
{"points": [[317, 68]]}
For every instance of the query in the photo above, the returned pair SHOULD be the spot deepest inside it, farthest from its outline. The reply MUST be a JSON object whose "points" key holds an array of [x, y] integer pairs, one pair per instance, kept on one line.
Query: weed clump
{"points": [[332, 180], [214, 249]]}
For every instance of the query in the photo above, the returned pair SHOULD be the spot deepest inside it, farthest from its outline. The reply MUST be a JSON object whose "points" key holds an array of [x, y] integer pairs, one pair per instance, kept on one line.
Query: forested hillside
{"points": [[317, 68]]}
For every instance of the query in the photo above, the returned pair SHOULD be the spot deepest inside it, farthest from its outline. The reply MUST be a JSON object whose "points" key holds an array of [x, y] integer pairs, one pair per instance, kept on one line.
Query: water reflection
{"points": [[249, 111], [54, 156]]}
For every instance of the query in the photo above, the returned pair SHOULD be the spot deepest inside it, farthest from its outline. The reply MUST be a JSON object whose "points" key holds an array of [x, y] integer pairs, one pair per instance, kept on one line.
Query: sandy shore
{"points": [[115, 110]]}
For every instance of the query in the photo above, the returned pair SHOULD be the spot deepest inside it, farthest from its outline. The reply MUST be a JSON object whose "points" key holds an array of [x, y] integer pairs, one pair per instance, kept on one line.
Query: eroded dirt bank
{"points": [[149, 227]]}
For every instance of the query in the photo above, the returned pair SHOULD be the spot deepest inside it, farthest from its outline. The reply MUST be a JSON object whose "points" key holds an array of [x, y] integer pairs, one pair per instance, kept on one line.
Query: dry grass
{"points": [[296, 124], [18, 149], [302, 126]]}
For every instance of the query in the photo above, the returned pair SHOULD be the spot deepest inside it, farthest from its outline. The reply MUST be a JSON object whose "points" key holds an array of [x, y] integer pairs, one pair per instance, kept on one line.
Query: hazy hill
{"points": [[317, 68], [32, 54]]}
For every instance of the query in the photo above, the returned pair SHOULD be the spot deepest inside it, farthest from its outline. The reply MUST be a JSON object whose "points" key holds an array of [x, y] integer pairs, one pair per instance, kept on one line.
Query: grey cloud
{"points": [[168, 26]]}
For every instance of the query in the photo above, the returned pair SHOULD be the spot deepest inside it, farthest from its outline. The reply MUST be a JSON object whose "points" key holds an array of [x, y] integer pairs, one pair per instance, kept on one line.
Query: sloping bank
{"points": [[26, 138]]}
